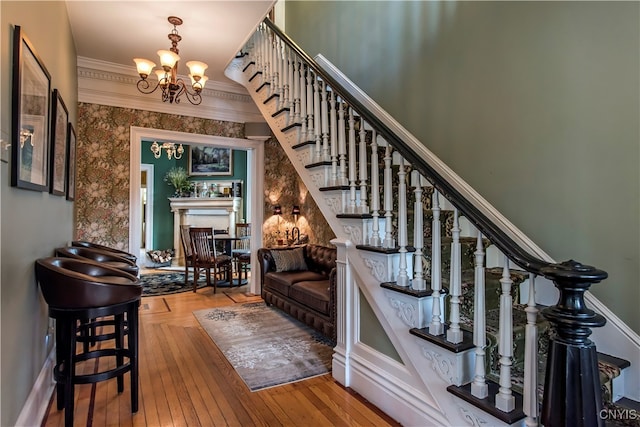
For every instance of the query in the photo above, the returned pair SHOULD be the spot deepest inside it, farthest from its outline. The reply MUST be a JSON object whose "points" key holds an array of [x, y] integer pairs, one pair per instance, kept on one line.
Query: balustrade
{"points": [[334, 122]]}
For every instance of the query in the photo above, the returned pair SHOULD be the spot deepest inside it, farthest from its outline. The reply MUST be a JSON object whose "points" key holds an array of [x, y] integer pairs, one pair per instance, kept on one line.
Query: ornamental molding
{"points": [[407, 312], [443, 366], [354, 233], [376, 268], [472, 418], [334, 203], [92, 74]]}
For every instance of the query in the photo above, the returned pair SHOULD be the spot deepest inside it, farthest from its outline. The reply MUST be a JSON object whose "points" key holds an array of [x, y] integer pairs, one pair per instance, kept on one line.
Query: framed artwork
{"points": [[59, 128], [71, 163], [30, 108], [204, 160]]}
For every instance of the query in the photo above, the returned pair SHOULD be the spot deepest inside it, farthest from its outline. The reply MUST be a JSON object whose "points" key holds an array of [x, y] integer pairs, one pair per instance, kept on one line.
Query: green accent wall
{"points": [[162, 215], [535, 104]]}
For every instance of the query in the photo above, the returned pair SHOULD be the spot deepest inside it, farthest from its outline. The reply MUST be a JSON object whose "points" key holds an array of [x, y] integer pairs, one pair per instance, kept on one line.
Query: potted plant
{"points": [[178, 177]]}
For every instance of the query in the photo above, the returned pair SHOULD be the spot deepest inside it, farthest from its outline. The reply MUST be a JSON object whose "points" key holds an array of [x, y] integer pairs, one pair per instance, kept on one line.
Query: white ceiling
{"points": [[212, 31]]}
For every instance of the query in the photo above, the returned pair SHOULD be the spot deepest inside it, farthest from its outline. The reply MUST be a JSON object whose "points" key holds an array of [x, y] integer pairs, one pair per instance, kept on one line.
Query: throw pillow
{"points": [[289, 260]]}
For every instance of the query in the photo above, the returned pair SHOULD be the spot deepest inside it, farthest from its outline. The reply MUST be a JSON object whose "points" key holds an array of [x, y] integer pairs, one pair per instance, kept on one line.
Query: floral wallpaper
{"points": [[102, 191], [284, 187]]}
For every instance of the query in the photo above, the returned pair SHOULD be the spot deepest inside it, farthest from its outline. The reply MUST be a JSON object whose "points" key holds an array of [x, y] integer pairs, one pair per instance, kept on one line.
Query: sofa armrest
{"points": [[266, 263]]}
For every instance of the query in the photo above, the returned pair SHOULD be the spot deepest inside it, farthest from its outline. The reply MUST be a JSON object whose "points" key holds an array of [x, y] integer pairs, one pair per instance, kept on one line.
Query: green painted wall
{"points": [[535, 104], [33, 223], [162, 215]]}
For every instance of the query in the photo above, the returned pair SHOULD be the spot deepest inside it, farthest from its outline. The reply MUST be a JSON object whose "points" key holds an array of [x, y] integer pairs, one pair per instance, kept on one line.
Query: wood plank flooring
{"points": [[186, 381]]}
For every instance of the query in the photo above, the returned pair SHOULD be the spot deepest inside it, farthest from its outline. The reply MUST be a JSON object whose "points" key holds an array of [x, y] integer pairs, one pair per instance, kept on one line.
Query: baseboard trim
{"points": [[390, 393], [35, 408]]}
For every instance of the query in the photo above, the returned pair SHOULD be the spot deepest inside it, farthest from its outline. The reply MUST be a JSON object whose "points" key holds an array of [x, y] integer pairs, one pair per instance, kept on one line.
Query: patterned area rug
{"points": [[155, 284], [266, 347]]}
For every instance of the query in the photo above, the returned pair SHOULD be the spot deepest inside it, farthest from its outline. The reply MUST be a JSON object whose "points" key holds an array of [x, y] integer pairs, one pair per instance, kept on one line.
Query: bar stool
{"points": [[123, 254], [101, 256], [76, 290]]}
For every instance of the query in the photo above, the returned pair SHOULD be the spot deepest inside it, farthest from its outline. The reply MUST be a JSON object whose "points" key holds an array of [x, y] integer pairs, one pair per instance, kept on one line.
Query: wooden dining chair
{"points": [[203, 247], [241, 253], [189, 260]]}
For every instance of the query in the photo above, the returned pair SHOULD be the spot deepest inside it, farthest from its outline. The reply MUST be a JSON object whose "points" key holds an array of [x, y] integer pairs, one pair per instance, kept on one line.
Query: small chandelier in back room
{"points": [[172, 87]]}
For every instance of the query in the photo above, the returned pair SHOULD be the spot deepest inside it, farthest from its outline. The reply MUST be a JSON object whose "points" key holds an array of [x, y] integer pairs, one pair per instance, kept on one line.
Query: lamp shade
{"points": [[277, 210], [198, 85], [168, 59], [162, 77], [144, 66], [196, 68], [295, 210]]}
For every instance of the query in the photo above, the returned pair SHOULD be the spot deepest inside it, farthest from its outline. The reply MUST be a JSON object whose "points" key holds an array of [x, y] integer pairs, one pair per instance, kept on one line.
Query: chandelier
{"points": [[172, 150], [172, 87]]}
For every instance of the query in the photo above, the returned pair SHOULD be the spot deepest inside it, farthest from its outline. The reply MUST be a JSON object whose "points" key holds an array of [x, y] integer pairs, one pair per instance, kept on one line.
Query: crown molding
{"points": [[106, 83]]}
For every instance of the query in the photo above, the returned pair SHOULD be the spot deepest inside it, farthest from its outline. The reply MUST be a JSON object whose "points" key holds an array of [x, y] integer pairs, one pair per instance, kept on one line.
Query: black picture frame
{"points": [[59, 141], [210, 161], [30, 110], [71, 163]]}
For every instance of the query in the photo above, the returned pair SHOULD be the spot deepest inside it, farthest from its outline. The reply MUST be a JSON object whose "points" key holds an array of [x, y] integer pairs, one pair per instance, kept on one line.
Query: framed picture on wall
{"points": [[207, 161], [59, 129], [71, 163], [30, 117]]}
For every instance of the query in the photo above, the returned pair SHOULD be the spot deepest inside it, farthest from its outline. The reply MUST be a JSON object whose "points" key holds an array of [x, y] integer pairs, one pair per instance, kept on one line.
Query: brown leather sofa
{"points": [[307, 294]]}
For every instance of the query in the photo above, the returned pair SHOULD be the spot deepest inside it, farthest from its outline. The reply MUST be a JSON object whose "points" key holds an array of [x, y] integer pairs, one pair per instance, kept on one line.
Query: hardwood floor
{"points": [[186, 381]]}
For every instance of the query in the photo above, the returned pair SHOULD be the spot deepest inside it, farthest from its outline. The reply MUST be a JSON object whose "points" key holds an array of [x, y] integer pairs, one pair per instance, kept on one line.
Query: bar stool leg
{"points": [[69, 368], [119, 343], [132, 336]]}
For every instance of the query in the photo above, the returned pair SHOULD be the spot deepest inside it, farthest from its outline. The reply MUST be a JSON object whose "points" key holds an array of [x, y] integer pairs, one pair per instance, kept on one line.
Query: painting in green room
{"points": [[162, 234]]}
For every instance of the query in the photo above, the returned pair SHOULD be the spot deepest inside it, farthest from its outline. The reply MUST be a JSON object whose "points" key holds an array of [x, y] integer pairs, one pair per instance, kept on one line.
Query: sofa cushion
{"points": [[281, 282], [314, 294], [289, 260]]}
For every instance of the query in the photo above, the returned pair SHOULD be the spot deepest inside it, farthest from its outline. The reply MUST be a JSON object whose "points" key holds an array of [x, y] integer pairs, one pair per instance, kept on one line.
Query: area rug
{"points": [[155, 284], [266, 347]]}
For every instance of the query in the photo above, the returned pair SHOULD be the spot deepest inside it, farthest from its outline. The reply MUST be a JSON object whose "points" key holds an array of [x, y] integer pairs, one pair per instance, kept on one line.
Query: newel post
{"points": [[572, 394]]}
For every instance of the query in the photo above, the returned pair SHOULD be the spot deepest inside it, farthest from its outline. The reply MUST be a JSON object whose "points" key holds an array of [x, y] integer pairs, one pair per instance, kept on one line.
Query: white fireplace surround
{"points": [[215, 212]]}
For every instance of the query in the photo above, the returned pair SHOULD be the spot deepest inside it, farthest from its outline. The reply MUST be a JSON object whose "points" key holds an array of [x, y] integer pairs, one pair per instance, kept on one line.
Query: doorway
{"points": [[146, 208], [253, 187]]}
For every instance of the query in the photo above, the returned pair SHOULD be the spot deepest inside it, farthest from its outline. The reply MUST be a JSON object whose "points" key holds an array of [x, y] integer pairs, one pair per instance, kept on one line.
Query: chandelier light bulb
{"points": [[144, 67], [197, 68], [168, 59]]}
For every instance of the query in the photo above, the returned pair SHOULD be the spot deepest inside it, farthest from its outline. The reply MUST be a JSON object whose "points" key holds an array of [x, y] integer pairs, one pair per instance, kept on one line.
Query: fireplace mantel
{"points": [[216, 212]]}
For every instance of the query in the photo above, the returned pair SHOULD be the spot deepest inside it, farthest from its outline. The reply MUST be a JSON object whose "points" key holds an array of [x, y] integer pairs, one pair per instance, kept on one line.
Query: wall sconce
{"points": [[295, 212], [277, 210]]}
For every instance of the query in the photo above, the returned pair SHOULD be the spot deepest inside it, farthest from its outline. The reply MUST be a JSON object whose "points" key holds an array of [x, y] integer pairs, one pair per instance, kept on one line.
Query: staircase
{"points": [[490, 330]]}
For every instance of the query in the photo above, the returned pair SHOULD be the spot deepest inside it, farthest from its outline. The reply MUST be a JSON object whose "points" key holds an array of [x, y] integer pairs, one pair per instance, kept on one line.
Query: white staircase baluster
{"points": [[303, 104], [317, 133], [282, 72], [530, 393], [375, 240], [288, 87], [436, 327], [418, 283], [388, 199], [362, 159], [295, 116], [454, 333], [333, 129], [325, 124], [273, 70], [310, 118], [403, 277], [479, 387], [342, 147], [505, 401], [352, 163]]}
